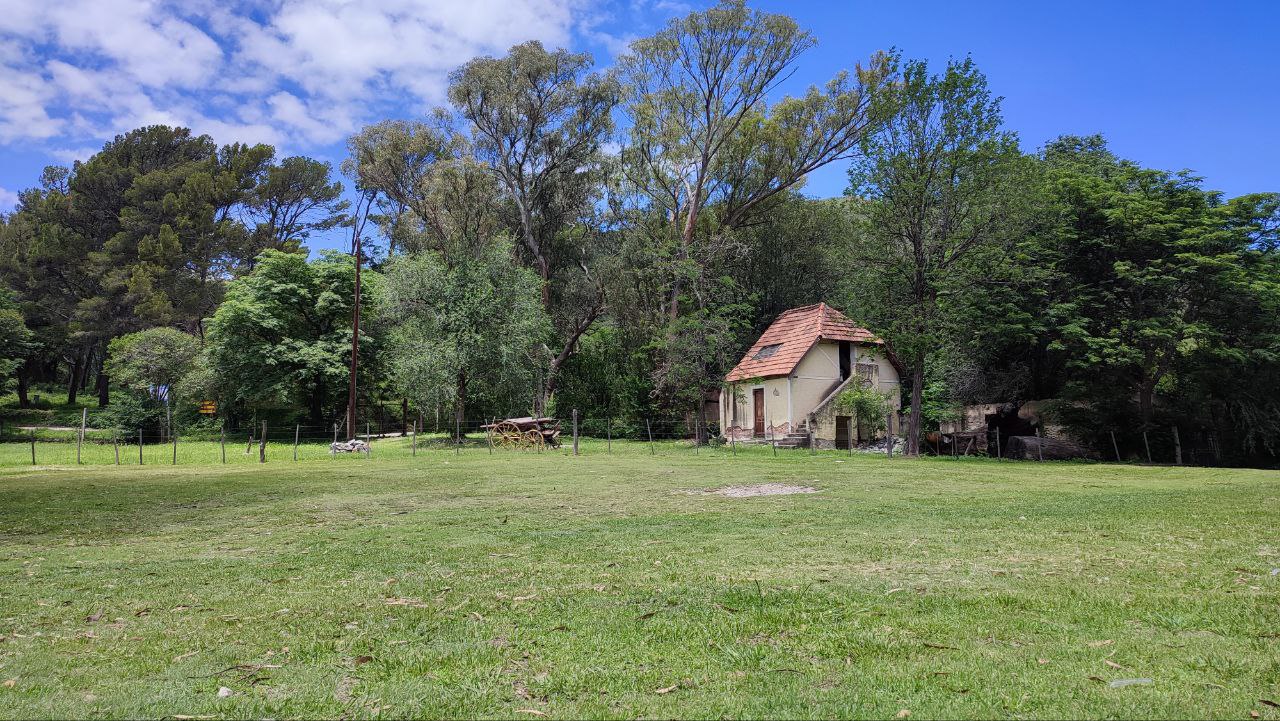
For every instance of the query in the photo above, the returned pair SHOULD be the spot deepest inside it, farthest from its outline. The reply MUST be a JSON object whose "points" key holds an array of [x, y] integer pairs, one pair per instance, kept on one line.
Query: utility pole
{"points": [[357, 229]]}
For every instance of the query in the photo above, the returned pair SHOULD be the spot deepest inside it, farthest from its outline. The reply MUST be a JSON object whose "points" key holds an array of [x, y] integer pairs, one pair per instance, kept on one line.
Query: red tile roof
{"points": [[795, 332]]}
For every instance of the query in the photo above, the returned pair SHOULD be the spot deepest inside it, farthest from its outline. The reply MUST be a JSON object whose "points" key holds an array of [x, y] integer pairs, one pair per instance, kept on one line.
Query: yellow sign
{"points": [[209, 408]]}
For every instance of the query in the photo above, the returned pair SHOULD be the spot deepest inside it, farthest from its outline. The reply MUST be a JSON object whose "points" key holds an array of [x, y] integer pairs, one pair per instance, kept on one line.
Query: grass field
{"points": [[607, 585]]}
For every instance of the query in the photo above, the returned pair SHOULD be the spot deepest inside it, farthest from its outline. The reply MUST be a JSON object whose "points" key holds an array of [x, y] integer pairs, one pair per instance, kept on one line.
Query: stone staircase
{"points": [[798, 438]]}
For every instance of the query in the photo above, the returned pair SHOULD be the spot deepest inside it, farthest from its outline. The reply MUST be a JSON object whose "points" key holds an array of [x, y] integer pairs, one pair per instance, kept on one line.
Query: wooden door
{"points": [[844, 439], [757, 404]]}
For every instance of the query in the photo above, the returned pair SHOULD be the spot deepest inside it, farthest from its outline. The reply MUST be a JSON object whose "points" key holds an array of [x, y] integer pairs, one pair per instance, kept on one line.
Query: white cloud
{"points": [[71, 155], [24, 97], [8, 199], [288, 72]]}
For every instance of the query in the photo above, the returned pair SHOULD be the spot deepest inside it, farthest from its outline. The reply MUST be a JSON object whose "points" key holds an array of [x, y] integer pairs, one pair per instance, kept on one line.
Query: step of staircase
{"points": [[794, 440]]}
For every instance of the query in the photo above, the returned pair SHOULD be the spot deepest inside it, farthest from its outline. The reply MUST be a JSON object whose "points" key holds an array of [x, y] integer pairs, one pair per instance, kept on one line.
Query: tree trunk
{"points": [[460, 406], [544, 270], [90, 362], [567, 351], [315, 414], [104, 389], [677, 285], [103, 383], [24, 382], [913, 419], [1146, 402], [73, 383]]}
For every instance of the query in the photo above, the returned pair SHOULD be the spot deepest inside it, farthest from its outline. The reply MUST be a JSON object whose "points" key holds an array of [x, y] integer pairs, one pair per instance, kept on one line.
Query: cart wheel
{"points": [[534, 440]]}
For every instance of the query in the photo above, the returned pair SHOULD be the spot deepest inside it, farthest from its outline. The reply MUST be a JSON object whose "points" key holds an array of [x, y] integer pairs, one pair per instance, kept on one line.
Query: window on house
{"points": [[868, 374], [767, 351]]}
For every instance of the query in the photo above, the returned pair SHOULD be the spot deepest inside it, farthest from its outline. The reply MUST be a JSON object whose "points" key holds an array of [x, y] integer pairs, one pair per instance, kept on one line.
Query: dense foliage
{"points": [[281, 340], [611, 240]]}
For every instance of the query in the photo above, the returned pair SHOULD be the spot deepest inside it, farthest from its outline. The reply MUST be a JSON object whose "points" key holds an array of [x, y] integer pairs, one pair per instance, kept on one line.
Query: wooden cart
{"points": [[525, 433]]}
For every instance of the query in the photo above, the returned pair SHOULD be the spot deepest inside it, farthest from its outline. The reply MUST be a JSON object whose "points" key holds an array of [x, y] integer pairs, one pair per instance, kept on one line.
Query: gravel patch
{"points": [[760, 489]]}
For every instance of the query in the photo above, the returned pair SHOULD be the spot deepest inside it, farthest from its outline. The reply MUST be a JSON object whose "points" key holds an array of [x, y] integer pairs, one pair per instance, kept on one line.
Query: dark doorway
{"points": [[757, 404], [845, 365], [844, 436]]}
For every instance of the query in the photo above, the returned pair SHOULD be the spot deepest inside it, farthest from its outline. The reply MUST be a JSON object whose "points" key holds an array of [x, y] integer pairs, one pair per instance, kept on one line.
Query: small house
{"points": [[784, 389]]}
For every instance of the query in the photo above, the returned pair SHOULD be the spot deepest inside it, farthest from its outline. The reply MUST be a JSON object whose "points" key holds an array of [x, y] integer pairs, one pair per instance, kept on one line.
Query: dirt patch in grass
{"points": [[760, 489]]}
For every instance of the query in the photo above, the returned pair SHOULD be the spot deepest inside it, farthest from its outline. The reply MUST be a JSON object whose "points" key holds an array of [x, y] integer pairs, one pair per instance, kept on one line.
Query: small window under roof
{"points": [[767, 351]]}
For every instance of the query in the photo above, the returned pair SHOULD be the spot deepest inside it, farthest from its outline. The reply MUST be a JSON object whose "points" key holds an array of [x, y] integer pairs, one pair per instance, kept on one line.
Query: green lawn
{"points": [[522, 585]]}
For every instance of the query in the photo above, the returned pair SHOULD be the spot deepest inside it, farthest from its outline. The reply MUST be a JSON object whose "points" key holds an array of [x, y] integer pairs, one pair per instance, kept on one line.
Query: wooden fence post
{"points": [[888, 435], [33, 447], [84, 416], [175, 445], [333, 447], [772, 435], [1040, 443], [368, 441], [999, 454], [222, 441], [115, 442], [488, 434], [609, 433], [1177, 447], [457, 435], [297, 428], [1115, 446], [649, 429], [1147, 445], [414, 440], [262, 444], [575, 431], [139, 446]]}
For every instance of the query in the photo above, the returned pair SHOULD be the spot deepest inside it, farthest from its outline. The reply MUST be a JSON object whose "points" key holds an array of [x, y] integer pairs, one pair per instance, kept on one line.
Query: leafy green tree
{"points": [[293, 200], [467, 325], [704, 134], [45, 260], [153, 361], [180, 235], [17, 342], [692, 353], [397, 162], [538, 120], [1156, 281], [281, 340], [868, 407], [789, 257], [941, 185], [147, 232], [153, 366]]}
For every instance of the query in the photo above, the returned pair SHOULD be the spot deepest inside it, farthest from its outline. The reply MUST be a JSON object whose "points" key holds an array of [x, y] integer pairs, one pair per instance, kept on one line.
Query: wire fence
{"points": [[265, 443]]}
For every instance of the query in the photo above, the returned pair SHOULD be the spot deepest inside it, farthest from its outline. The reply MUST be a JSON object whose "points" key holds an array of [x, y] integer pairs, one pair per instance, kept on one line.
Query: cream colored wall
{"points": [[741, 394], [824, 422], [888, 374], [776, 397], [813, 378]]}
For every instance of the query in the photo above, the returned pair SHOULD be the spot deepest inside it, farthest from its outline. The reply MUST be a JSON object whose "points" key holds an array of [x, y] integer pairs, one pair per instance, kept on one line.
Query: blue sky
{"points": [[1171, 84]]}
